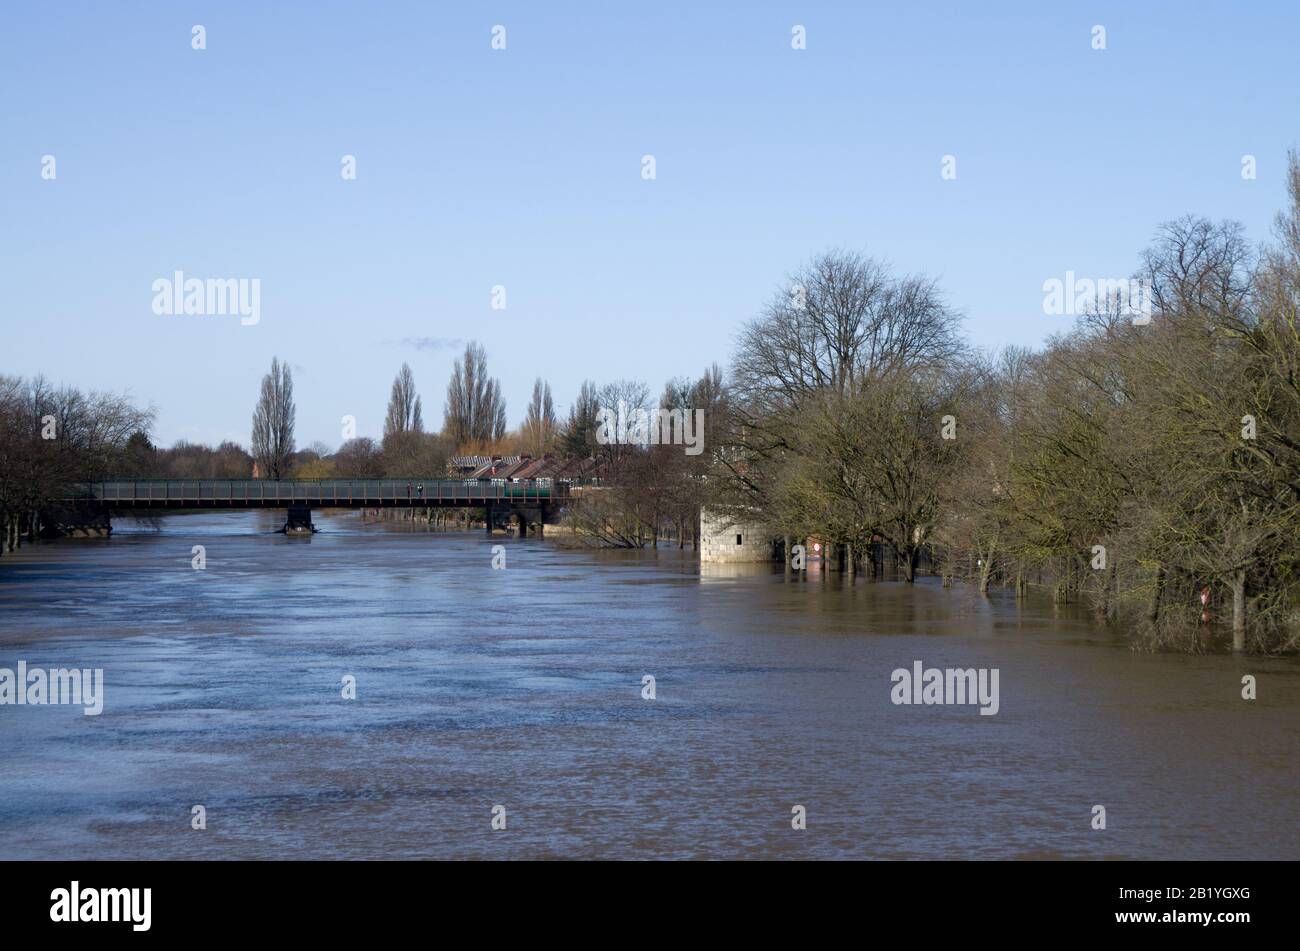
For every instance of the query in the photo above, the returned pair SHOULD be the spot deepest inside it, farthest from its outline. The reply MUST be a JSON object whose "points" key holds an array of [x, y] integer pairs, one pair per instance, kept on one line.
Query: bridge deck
{"points": [[323, 493]]}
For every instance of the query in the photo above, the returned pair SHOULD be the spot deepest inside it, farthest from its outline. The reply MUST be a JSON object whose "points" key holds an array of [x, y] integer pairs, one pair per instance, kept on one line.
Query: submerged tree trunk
{"points": [[985, 573], [1239, 611], [908, 561], [1153, 612]]}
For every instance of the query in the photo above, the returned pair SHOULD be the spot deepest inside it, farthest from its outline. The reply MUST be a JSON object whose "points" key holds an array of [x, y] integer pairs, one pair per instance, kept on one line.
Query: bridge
{"points": [[91, 504]]}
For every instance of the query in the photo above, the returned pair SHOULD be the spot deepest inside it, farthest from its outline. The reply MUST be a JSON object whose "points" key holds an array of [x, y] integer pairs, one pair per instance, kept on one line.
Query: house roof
{"points": [[469, 462], [532, 468], [497, 467]]}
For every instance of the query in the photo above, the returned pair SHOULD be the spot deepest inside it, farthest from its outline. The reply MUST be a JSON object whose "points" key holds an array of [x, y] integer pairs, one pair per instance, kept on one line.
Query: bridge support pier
{"points": [[530, 521], [298, 521]]}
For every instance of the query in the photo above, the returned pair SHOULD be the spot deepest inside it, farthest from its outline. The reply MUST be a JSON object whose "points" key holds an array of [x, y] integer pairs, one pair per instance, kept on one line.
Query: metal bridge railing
{"points": [[319, 492]]}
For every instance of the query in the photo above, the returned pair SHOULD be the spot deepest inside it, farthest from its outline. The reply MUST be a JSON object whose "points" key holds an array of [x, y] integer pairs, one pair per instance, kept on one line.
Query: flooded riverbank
{"points": [[522, 686]]}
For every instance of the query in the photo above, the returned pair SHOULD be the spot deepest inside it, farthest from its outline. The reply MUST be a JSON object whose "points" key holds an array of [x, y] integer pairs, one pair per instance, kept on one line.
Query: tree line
{"points": [[55, 436], [51, 436], [1146, 465]]}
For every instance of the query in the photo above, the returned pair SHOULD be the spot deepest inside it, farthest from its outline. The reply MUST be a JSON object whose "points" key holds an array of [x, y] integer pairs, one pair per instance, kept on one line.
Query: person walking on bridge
{"points": [[408, 492], [420, 490]]}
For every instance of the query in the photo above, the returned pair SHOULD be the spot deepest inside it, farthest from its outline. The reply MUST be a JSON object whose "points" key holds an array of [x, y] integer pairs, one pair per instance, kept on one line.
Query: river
{"points": [[522, 687]]}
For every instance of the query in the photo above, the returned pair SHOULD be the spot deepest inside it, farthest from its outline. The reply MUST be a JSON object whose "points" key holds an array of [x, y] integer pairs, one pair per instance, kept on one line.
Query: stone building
{"points": [[731, 540]]}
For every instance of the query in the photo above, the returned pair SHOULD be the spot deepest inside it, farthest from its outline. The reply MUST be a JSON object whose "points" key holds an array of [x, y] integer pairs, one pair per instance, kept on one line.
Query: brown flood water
{"points": [[522, 687]]}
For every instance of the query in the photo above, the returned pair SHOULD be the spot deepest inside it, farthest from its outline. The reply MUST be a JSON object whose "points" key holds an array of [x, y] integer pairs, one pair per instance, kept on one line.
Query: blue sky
{"points": [[522, 168]]}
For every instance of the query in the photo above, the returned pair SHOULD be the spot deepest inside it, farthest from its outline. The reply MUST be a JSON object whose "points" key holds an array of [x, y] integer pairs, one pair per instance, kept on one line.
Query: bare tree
{"points": [[422, 455], [540, 425], [579, 436], [359, 458], [620, 399], [874, 463], [51, 439], [273, 422], [404, 414], [189, 461], [475, 413], [839, 321]]}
